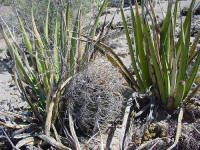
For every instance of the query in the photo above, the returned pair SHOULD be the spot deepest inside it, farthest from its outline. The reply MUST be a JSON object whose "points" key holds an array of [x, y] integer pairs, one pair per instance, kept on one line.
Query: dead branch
{"points": [[27, 141], [87, 143], [67, 134], [14, 126], [71, 125], [53, 142], [178, 131], [125, 126], [56, 133], [142, 110], [49, 107], [16, 133], [49, 118], [9, 140], [111, 133], [14, 115]]}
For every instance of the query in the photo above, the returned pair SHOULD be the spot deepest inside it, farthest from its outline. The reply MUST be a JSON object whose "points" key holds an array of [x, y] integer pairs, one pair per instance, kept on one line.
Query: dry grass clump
{"points": [[96, 96]]}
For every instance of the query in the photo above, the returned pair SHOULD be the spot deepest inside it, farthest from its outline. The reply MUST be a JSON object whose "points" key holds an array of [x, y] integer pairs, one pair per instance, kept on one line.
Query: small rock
{"points": [[184, 11]]}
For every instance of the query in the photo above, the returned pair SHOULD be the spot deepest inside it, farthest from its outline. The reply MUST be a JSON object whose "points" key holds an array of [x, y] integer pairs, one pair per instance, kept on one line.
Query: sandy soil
{"points": [[10, 99], [9, 95]]}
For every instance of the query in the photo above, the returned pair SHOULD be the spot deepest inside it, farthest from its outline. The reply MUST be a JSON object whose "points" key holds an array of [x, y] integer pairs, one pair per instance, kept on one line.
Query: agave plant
{"points": [[52, 60], [158, 60]]}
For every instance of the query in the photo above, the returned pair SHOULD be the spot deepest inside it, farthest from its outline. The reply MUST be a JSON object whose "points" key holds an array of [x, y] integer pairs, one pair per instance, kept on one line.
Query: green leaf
{"points": [[164, 28], [175, 14], [66, 35], [140, 83], [192, 75], [156, 66], [62, 33], [185, 24], [40, 46], [93, 29], [16, 58], [134, 29], [184, 54], [179, 93], [142, 59], [74, 43], [36, 33], [67, 19], [26, 39], [165, 48]]}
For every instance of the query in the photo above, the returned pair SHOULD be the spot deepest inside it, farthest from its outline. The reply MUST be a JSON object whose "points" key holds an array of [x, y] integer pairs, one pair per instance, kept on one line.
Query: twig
{"points": [[49, 107], [26, 141], [150, 142], [86, 144], [142, 111], [14, 115], [135, 96], [110, 135], [71, 126], [9, 140], [67, 134], [14, 126], [152, 105], [56, 133], [53, 142], [125, 126], [100, 137], [178, 131], [197, 131]]}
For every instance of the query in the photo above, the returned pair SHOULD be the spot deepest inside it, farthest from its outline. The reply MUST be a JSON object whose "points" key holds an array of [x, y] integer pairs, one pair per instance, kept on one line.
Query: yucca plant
{"points": [[157, 59], [52, 60]]}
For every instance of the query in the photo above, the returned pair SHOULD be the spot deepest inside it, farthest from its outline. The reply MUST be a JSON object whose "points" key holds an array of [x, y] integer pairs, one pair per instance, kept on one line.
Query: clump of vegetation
{"points": [[48, 63], [96, 96], [159, 62]]}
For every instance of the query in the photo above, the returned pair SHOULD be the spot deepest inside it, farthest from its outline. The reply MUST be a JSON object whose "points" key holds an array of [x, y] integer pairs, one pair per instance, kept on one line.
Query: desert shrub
{"points": [[159, 63], [47, 62]]}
